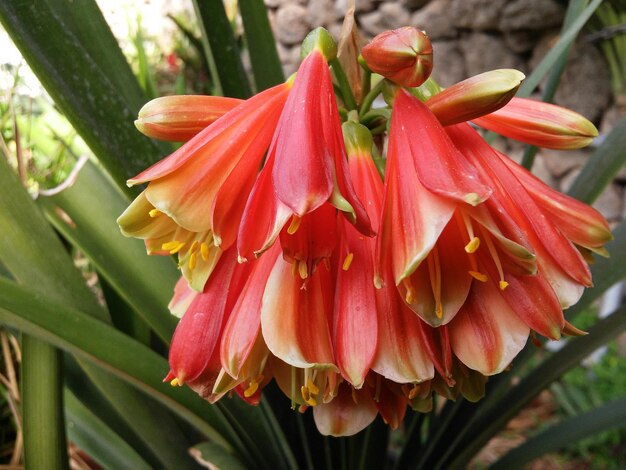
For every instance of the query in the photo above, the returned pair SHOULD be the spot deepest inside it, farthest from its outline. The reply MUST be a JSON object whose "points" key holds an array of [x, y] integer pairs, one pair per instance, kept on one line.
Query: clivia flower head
{"points": [[363, 259]]}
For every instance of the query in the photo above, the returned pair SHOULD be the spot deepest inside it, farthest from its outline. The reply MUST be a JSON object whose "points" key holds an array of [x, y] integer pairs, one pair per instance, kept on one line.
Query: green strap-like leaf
{"points": [[210, 455], [87, 23], [551, 58], [478, 431], [42, 406], [79, 86], [602, 166], [145, 282], [261, 44], [611, 415], [98, 342], [221, 49], [99, 441]]}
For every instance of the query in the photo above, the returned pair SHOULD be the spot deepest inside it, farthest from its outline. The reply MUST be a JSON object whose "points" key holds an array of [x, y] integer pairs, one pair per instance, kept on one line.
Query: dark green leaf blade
{"points": [[83, 91], [610, 415], [100, 442], [261, 44], [602, 166], [221, 49]]}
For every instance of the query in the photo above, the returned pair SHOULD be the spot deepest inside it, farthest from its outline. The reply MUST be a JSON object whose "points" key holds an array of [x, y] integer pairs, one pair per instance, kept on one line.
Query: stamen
{"points": [[155, 213], [294, 268], [307, 396], [293, 388], [473, 245], [478, 276], [176, 383], [192, 261], [303, 270], [496, 260], [314, 389], [194, 246], [434, 271], [204, 251], [410, 290], [252, 388], [348, 261], [294, 225], [173, 247]]}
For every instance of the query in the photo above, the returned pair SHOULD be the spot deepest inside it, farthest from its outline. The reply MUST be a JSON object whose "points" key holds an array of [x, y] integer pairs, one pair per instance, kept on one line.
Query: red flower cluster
{"points": [[359, 296]]}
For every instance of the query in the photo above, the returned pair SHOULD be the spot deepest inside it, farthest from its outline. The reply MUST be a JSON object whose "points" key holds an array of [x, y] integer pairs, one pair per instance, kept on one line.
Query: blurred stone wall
{"points": [[470, 37]]}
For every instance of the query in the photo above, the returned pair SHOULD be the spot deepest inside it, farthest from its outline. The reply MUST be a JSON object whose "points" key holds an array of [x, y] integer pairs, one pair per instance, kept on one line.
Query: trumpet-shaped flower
{"points": [[541, 124], [306, 165]]}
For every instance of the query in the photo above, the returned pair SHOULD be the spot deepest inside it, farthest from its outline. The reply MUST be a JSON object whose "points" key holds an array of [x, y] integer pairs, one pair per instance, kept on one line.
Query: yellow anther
{"points": [[473, 245], [294, 225], [503, 285], [307, 397], [155, 213], [194, 246], [439, 310], [313, 389], [251, 390], [303, 270], [204, 251], [410, 291], [347, 262], [176, 383], [478, 276], [192, 261], [173, 247]]}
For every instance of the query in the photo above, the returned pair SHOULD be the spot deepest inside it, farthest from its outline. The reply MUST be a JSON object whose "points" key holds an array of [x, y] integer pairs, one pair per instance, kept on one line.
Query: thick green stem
{"points": [[368, 100], [344, 85], [45, 445]]}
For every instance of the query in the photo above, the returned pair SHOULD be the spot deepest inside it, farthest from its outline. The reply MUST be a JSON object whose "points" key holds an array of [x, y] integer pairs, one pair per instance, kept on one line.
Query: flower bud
{"points": [[358, 139], [478, 95], [404, 56], [541, 124], [180, 117], [321, 40]]}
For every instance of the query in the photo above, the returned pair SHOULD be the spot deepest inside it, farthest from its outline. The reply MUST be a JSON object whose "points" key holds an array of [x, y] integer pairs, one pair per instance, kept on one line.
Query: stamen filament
{"points": [[434, 271], [496, 259]]}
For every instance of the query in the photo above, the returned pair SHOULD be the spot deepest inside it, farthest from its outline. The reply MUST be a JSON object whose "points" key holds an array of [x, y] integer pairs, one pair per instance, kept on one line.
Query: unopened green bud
{"points": [[319, 39]]}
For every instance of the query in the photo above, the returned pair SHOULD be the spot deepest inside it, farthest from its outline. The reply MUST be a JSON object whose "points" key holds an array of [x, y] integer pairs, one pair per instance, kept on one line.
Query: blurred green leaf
{"points": [[552, 57], [221, 49], [494, 414], [80, 84], [98, 342], [145, 282], [261, 44], [565, 433], [99, 441], [211, 455], [602, 166]]}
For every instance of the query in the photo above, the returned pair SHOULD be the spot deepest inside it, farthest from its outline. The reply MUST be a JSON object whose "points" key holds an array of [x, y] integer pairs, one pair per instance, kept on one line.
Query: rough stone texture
{"points": [[323, 13], [292, 24], [476, 14], [388, 16], [522, 40], [530, 14], [562, 162], [484, 52], [289, 58], [586, 85], [449, 66], [361, 6], [436, 20], [414, 4]]}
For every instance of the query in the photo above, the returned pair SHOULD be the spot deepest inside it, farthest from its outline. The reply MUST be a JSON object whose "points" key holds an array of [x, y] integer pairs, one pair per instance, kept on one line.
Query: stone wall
{"points": [[470, 37]]}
